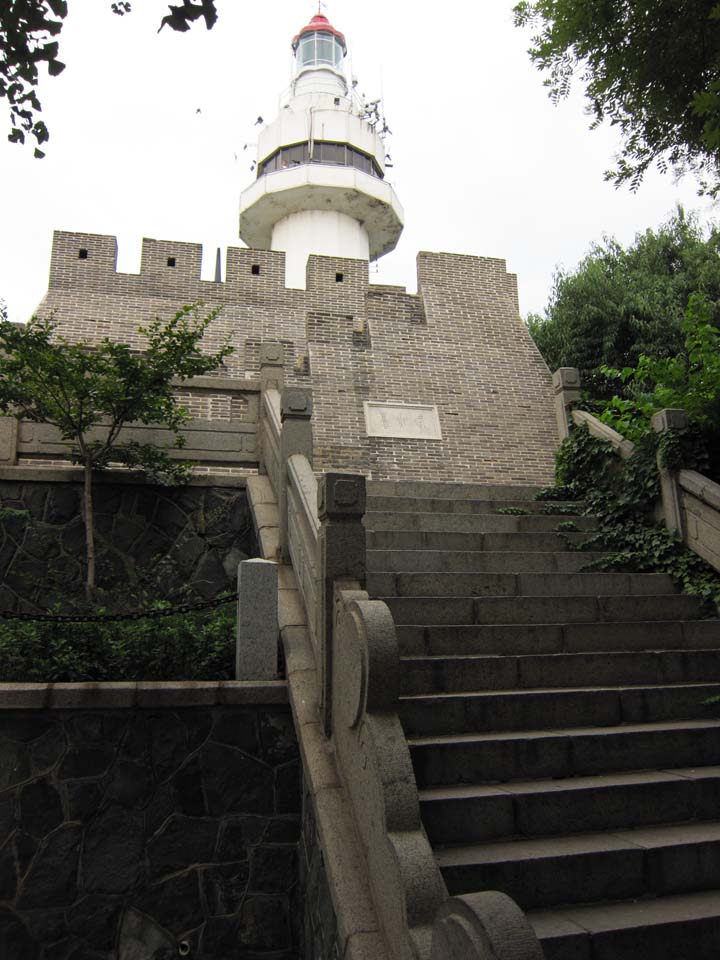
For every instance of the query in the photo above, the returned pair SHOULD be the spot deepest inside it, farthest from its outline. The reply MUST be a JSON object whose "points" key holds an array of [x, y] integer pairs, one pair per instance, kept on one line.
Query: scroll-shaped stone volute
{"points": [[374, 761], [368, 659], [483, 926]]}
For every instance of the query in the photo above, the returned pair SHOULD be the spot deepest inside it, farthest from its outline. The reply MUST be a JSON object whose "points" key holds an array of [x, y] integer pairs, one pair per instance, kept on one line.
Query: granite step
{"points": [[547, 708], [462, 584], [583, 751], [474, 523], [476, 672], [467, 813], [463, 540], [679, 927], [427, 611], [451, 491], [559, 637], [480, 561], [622, 864], [446, 505]]}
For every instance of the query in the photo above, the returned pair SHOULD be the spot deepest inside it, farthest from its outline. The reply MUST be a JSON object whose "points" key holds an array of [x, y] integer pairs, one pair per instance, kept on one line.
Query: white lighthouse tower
{"points": [[321, 184]]}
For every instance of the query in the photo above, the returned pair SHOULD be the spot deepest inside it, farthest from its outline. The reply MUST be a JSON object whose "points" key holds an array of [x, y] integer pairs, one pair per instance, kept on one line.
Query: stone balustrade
{"points": [[343, 670], [221, 434]]}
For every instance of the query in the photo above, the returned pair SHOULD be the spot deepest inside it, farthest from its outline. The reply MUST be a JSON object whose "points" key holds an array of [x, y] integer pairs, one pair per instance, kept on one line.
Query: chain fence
{"points": [[117, 617]]}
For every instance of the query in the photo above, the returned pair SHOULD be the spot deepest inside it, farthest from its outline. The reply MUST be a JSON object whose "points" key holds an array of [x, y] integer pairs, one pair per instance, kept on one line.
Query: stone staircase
{"points": [[556, 720]]}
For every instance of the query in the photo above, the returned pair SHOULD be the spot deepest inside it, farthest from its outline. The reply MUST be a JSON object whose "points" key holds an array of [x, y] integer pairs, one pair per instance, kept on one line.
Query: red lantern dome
{"points": [[319, 24]]}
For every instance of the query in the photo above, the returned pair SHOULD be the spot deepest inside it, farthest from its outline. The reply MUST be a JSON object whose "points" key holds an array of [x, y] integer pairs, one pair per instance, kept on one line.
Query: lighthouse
{"points": [[320, 184]]}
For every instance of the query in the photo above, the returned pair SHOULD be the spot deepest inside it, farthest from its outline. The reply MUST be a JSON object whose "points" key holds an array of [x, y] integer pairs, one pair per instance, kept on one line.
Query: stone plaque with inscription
{"points": [[404, 421]]}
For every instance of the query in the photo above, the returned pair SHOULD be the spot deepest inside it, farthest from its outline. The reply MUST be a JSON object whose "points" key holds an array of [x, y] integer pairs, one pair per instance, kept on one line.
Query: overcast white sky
{"points": [[484, 164]]}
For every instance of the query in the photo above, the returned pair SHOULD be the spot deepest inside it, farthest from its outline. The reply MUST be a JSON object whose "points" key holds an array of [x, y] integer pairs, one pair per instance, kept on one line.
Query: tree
{"points": [[689, 380], [650, 67], [90, 392], [28, 38], [619, 304]]}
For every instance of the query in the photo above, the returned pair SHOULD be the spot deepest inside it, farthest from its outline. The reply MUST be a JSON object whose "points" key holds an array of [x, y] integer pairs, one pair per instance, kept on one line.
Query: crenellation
{"points": [[171, 263], [81, 258], [255, 271], [349, 279]]}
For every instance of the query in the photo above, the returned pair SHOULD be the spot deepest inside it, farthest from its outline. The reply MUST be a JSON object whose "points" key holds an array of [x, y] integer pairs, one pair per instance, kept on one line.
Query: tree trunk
{"points": [[89, 532]]}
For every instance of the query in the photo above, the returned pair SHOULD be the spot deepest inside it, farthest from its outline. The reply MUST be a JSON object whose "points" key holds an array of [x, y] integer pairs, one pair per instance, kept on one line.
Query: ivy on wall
{"points": [[622, 495]]}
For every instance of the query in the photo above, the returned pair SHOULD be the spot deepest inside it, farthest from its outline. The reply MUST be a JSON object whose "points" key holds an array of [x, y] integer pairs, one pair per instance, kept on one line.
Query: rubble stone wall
{"points": [[152, 542], [149, 833]]}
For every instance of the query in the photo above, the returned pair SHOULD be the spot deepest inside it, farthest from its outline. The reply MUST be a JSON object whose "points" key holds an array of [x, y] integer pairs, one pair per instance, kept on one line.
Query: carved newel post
{"points": [[664, 421], [8, 441], [272, 359], [566, 392], [341, 507]]}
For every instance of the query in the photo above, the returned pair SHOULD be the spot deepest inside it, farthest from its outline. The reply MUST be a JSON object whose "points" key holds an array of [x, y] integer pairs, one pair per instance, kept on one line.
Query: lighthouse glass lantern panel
{"points": [[320, 49]]}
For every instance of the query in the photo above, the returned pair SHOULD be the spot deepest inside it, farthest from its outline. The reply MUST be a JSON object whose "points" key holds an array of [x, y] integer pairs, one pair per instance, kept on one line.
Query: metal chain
{"points": [[115, 617]]}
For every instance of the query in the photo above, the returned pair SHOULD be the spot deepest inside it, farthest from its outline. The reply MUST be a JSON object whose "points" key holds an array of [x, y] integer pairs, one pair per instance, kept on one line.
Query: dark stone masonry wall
{"points": [[319, 920], [152, 542], [143, 834]]}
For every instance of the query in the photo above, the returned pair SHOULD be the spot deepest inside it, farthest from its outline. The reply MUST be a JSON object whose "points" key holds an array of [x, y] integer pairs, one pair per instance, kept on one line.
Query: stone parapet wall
{"points": [[150, 832], [459, 343]]}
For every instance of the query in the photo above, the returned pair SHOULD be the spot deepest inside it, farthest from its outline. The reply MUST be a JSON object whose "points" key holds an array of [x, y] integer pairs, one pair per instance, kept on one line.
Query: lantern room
{"points": [[319, 46]]}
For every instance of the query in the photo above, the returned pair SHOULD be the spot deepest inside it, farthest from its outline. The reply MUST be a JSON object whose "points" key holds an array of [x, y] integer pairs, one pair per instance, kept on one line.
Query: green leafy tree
{"points": [[90, 392], [28, 39], [620, 303], [651, 68], [689, 380]]}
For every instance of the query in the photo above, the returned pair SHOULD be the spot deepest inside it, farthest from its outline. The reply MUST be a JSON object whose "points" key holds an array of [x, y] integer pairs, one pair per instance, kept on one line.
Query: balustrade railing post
{"points": [[341, 508], [8, 441], [664, 421], [272, 375], [272, 360], [566, 391], [256, 651], [296, 437]]}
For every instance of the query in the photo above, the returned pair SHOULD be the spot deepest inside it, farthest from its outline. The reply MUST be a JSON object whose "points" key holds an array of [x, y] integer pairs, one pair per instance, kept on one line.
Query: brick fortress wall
{"points": [[459, 343]]}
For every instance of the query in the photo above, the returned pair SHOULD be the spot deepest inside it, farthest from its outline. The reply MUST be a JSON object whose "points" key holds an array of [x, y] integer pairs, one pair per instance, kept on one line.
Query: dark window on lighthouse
{"points": [[337, 154]]}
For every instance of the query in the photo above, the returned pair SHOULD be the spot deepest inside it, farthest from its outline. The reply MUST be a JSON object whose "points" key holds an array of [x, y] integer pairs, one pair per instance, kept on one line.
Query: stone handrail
{"points": [[701, 487], [303, 540], [270, 437], [374, 760], [625, 448], [700, 515]]}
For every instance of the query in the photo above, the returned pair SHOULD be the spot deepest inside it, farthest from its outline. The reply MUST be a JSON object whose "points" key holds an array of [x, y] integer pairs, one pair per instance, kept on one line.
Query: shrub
{"points": [[180, 646]]}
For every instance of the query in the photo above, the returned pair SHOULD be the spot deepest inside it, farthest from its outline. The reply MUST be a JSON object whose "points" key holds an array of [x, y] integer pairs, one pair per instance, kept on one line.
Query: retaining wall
{"points": [[152, 542], [148, 820]]}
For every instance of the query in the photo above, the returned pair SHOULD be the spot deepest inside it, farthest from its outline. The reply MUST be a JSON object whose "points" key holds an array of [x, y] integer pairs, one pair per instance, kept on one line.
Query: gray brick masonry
{"points": [[459, 343]]}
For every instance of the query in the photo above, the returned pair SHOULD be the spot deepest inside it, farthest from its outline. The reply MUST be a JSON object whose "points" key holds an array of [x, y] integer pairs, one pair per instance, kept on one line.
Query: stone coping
{"points": [[175, 693], [701, 487], [30, 474]]}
